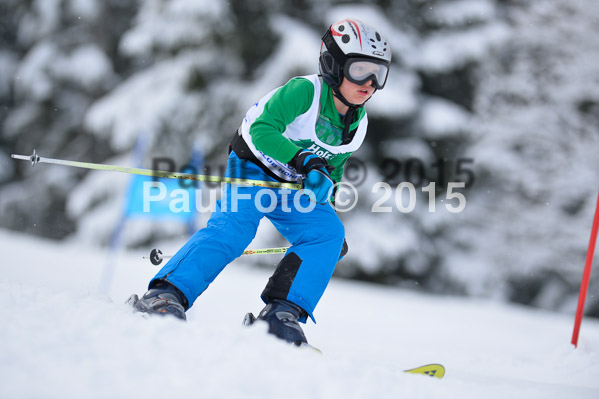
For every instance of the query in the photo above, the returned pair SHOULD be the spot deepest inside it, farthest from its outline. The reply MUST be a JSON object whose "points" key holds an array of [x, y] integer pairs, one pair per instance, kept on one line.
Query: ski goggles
{"points": [[361, 70]]}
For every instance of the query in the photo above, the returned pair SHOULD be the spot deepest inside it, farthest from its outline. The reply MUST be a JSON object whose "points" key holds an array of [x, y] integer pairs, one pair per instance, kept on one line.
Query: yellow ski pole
{"points": [[156, 256], [35, 159]]}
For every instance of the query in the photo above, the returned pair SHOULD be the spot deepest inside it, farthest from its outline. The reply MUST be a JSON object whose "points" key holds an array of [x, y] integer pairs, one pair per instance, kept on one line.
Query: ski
{"points": [[304, 345], [431, 370]]}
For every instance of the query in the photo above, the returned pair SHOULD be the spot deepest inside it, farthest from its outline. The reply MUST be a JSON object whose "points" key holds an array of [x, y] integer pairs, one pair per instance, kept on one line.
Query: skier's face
{"points": [[356, 94]]}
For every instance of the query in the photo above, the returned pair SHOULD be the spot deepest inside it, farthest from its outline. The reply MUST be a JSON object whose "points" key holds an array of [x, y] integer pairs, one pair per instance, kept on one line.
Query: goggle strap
{"points": [[338, 94], [333, 48], [347, 121]]}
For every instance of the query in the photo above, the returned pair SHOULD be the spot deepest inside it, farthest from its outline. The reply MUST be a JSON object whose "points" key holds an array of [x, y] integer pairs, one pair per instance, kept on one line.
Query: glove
{"points": [[317, 172]]}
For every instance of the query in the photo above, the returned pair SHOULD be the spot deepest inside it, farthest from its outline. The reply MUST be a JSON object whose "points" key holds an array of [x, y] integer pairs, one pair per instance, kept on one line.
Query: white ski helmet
{"points": [[356, 51]]}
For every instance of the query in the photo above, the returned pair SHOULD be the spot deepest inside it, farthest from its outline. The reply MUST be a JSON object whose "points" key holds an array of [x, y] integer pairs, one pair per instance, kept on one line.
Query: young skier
{"points": [[306, 129]]}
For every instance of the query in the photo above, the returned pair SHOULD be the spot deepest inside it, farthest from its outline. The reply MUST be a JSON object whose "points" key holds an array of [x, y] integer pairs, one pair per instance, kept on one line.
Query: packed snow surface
{"points": [[62, 337]]}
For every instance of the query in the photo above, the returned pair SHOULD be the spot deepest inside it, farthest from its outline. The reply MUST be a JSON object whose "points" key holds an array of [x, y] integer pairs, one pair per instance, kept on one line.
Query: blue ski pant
{"points": [[314, 231]]}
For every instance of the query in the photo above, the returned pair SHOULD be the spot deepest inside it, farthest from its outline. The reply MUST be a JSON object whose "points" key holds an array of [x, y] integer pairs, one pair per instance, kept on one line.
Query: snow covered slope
{"points": [[60, 338]]}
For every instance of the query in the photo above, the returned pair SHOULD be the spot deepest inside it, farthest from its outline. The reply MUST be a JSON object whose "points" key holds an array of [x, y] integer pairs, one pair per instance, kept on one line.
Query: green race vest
{"points": [[300, 115]]}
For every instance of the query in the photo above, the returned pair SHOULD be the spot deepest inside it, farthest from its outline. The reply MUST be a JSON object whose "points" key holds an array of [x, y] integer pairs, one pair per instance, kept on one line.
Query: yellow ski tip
{"points": [[309, 347], [432, 370]]}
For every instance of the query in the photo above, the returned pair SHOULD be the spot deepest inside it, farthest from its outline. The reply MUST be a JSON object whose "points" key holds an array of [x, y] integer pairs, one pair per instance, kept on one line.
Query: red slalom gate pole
{"points": [[586, 276]]}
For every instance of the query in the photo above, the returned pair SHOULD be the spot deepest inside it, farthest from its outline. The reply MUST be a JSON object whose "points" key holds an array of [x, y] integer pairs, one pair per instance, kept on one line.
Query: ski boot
{"points": [[282, 318], [162, 299]]}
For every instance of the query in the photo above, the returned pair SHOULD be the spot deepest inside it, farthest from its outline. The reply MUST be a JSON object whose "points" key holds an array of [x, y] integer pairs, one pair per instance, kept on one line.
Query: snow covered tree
{"points": [[537, 110], [58, 57], [419, 131]]}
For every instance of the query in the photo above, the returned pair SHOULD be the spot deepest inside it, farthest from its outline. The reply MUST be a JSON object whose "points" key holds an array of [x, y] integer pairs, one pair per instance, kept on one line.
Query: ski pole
{"points": [[35, 159], [156, 256], [586, 277]]}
